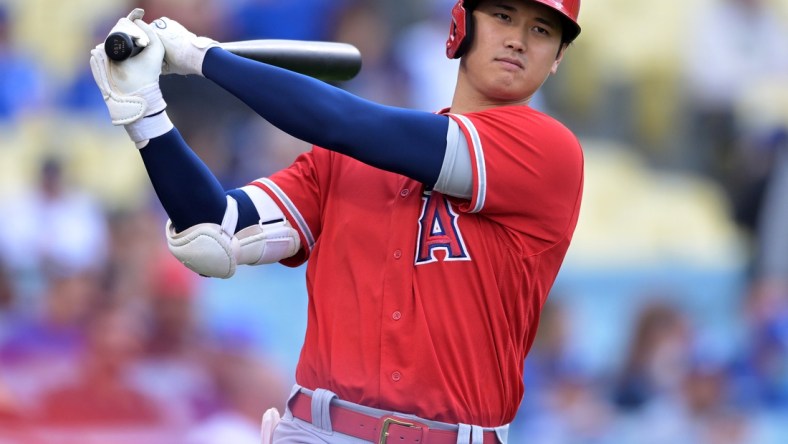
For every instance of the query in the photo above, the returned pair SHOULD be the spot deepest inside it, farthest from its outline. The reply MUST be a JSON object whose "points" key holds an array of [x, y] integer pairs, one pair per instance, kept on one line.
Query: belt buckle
{"points": [[384, 429]]}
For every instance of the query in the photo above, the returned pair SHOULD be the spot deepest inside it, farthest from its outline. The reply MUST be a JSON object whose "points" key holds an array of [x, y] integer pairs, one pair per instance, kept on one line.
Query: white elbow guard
{"points": [[208, 249], [267, 243], [205, 249], [212, 250]]}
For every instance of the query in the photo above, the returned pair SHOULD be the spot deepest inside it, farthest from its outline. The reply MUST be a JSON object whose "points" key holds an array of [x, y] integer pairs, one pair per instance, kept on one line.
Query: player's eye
{"points": [[541, 30], [503, 16]]}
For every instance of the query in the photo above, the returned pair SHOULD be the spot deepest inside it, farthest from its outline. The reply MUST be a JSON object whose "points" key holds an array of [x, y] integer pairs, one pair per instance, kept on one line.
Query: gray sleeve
{"points": [[456, 176], [773, 227]]}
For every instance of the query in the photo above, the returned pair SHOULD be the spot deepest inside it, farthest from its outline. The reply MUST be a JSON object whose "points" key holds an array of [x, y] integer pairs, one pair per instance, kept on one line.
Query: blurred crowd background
{"points": [[668, 322]]}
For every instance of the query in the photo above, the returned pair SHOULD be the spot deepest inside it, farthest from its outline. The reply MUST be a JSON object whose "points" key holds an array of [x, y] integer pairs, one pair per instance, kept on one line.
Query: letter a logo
{"points": [[438, 231]]}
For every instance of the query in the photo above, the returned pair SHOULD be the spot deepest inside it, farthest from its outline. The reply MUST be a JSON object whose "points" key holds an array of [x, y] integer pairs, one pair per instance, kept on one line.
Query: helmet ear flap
{"points": [[461, 32], [465, 45]]}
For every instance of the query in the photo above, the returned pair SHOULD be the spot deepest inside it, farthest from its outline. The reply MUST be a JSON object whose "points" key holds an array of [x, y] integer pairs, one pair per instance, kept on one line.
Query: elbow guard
{"points": [[212, 250], [205, 249], [266, 243]]}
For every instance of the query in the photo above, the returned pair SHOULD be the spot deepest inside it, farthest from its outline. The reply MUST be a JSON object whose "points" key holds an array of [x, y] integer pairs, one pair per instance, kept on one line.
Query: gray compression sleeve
{"points": [[773, 229], [456, 176]]}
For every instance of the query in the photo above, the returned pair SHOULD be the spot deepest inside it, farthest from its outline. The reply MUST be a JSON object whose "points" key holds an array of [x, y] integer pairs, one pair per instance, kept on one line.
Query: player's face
{"points": [[516, 46]]}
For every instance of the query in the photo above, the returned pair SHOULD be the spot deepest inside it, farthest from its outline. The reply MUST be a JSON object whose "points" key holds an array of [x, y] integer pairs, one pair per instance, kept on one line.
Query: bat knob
{"points": [[119, 46]]}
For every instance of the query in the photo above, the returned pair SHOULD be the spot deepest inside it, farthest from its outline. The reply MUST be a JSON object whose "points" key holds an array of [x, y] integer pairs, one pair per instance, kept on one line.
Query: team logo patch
{"points": [[438, 232]]}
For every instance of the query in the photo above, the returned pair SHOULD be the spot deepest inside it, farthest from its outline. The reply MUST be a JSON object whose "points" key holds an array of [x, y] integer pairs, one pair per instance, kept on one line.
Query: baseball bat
{"points": [[330, 61]]}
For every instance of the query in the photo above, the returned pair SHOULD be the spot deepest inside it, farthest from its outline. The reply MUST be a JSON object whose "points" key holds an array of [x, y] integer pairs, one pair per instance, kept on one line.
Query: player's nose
{"points": [[516, 43]]}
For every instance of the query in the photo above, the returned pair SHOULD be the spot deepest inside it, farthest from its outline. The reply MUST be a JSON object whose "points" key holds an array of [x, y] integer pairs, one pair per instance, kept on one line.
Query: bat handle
{"points": [[119, 46]]}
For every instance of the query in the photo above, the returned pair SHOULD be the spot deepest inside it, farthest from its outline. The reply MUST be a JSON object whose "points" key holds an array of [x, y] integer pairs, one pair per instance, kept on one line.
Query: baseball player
{"points": [[431, 239]]}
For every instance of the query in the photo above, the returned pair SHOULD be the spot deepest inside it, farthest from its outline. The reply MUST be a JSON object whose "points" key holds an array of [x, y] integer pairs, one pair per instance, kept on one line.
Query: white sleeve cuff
{"points": [[456, 176], [267, 210], [142, 130]]}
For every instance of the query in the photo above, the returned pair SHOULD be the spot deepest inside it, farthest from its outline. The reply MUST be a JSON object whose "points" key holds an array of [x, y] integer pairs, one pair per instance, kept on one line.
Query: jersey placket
{"points": [[397, 302]]}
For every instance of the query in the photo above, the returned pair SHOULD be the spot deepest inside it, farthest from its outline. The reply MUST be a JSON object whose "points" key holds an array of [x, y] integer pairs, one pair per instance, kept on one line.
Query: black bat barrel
{"points": [[323, 60], [329, 61]]}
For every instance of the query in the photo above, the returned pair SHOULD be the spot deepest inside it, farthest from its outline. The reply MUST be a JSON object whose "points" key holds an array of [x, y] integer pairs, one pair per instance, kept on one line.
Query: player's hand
{"points": [[131, 88], [184, 52]]}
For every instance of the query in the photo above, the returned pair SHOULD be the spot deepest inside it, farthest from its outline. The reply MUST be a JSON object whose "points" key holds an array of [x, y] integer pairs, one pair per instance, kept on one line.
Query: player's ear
{"points": [[558, 58]]}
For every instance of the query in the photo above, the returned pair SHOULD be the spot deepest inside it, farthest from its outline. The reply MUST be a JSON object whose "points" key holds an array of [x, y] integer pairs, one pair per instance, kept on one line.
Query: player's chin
{"points": [[509, 92]]}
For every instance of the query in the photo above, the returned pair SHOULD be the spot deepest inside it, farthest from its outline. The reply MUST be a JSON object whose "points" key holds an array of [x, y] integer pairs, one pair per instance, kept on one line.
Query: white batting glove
{"points": [[131, 87], [184, 52]]}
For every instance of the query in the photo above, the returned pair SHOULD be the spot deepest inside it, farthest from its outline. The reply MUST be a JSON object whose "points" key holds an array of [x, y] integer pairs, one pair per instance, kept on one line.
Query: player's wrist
{"points": [[149, 127], [201, 47]]}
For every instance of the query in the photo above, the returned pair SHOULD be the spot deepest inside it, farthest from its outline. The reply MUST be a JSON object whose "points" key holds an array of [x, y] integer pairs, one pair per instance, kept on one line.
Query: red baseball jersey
{"points": [[426, 304]]}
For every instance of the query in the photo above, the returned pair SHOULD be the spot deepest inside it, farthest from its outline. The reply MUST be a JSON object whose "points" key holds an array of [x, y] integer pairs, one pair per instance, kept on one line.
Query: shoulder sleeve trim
{"points": [[291, 208], [477, 156]]}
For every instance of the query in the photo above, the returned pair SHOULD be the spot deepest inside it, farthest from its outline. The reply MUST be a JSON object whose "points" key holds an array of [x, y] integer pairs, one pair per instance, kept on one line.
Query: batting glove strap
{"points": [[145, 129]]}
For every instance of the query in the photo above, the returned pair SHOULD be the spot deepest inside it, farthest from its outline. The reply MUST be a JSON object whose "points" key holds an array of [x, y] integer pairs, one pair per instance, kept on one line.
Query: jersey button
{"points": [[396, 376], [404, 193], [397, 254], [396, 316]]}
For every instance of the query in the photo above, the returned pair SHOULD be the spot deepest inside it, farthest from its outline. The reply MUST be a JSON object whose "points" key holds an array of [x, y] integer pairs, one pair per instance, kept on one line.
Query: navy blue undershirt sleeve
{"points": [[247, 212], [186, 188], [407, 142]]}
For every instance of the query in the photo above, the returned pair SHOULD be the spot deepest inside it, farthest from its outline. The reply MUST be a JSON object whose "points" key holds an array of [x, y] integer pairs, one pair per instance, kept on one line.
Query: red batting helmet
{"points": [[462, 25]]}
